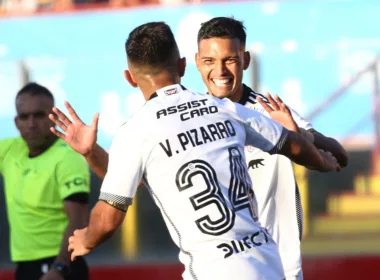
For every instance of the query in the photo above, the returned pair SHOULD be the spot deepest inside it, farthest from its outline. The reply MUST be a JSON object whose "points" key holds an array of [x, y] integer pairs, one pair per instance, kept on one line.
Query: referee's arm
{"points": [[73, 178]]}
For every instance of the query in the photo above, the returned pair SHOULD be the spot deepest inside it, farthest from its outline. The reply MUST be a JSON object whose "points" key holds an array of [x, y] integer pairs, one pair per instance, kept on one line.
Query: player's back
{"points": [[192, 160]]}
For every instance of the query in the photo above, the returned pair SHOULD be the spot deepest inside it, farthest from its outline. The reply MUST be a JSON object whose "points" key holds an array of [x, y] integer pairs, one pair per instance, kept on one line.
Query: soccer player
{"points": [[188, 148], [46, 191], [221, 60]]}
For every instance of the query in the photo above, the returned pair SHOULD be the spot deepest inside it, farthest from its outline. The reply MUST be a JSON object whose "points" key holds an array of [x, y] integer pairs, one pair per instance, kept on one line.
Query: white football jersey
{"points": [[278, 198], [189, 150]]}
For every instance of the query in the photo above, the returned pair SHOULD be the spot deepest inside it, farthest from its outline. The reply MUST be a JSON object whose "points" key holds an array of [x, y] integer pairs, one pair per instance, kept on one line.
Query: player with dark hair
{"points": [[46, 191], [188, 149], [222, 59]]}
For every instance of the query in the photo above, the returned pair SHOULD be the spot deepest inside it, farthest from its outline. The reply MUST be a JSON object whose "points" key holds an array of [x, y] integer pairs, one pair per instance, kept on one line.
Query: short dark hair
{"points": [[223, 27], [152, 45], [35, 89]]}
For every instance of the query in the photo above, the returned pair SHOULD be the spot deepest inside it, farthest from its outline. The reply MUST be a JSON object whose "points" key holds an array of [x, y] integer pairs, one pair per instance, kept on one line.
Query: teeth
{"points": [[221, 82]]}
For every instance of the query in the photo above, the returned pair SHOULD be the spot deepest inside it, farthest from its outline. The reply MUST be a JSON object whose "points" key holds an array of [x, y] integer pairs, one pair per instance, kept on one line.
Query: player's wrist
{"points": [[307, 134]]}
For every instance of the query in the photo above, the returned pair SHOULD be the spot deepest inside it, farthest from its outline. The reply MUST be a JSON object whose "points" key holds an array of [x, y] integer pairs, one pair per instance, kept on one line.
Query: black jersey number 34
{"points": [[240, 192]]}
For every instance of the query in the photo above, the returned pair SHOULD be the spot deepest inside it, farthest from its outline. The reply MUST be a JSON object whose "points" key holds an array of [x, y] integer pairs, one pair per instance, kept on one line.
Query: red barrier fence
{"points": [[332, 268]]}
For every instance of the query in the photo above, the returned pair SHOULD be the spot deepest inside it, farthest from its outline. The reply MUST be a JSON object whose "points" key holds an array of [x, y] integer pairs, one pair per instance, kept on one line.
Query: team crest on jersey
{"points": [[170, 91]]}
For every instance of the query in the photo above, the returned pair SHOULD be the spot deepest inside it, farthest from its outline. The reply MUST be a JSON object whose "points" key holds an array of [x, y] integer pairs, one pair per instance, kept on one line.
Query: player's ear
{"points": [[129, 77], [247, 60], [182, 66], [17, 122], [197, 60]]}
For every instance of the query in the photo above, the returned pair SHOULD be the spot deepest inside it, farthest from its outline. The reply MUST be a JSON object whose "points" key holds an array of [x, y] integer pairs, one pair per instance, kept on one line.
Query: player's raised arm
{"points": [[289, 118], [125, 170], [271, 137], [81, 138]]}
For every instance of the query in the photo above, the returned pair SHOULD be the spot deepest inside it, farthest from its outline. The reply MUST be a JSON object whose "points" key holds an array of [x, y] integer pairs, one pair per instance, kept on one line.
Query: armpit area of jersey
{"points": [[81, 198]]}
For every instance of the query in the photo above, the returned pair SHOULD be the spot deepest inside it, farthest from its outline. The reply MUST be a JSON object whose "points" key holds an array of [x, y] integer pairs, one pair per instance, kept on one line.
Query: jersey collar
{"points": [[246, 93], [168, 90]]}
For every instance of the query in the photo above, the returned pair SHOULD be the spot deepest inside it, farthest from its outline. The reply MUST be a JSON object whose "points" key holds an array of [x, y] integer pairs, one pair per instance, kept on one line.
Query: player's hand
{"points": [[79, 136], [279, 112], [52, 274], [76, 244], [331, 163]]}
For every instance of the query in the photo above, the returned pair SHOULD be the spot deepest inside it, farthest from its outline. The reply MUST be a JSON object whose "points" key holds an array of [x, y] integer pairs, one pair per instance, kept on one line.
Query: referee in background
{"points": [[46, 192]]}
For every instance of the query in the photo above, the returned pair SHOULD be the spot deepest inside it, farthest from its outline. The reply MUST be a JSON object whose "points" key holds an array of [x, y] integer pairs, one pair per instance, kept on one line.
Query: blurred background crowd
{"points": [[322, 57], [24, 7]]}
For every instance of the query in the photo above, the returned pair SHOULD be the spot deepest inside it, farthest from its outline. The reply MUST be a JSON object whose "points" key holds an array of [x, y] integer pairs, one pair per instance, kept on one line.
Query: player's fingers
{"points": [[58, 122], [72, 112], [73, 256], [58, 133], [265, 105], [62, 116], [278, 99], [282, 105], [70, 247], [95, 121], [272, 102]]}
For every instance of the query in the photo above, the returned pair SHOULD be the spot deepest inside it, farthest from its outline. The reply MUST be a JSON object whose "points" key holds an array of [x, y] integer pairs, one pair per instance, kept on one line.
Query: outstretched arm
{"points": [[81, 138], [104, 221], [301, 151], [331, 145], [280, 112]]}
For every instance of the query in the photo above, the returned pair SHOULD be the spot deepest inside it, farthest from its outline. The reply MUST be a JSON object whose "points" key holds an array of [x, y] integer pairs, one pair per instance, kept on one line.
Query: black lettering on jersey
{"points": [[183, 140], [194, 113], [185, 107], [160, 113], [194, 132], [226, 248], [184, 116], [167, 149], [203, 111], [213, 109], [230, 128], [78, 181], [190, 138], [238, 246], [172, 110], [182, 107], [205, 135], [195, 103], [253, 239], [222, 129], [198, 112], [203, 101], [214, 131]]}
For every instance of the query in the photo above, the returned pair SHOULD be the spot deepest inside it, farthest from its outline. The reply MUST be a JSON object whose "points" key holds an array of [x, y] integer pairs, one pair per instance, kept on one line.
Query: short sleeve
{"points": [[73, 175], [262, 132], [125, 166], [301, 122]]}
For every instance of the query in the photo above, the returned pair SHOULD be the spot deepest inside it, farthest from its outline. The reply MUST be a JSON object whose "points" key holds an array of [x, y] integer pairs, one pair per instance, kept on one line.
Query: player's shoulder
{"points": [[15, 143]]}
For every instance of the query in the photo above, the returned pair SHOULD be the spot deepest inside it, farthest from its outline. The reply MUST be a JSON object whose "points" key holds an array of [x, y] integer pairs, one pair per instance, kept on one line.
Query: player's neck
{"points": [[150, 84], [36, 151], [238, 94]]}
